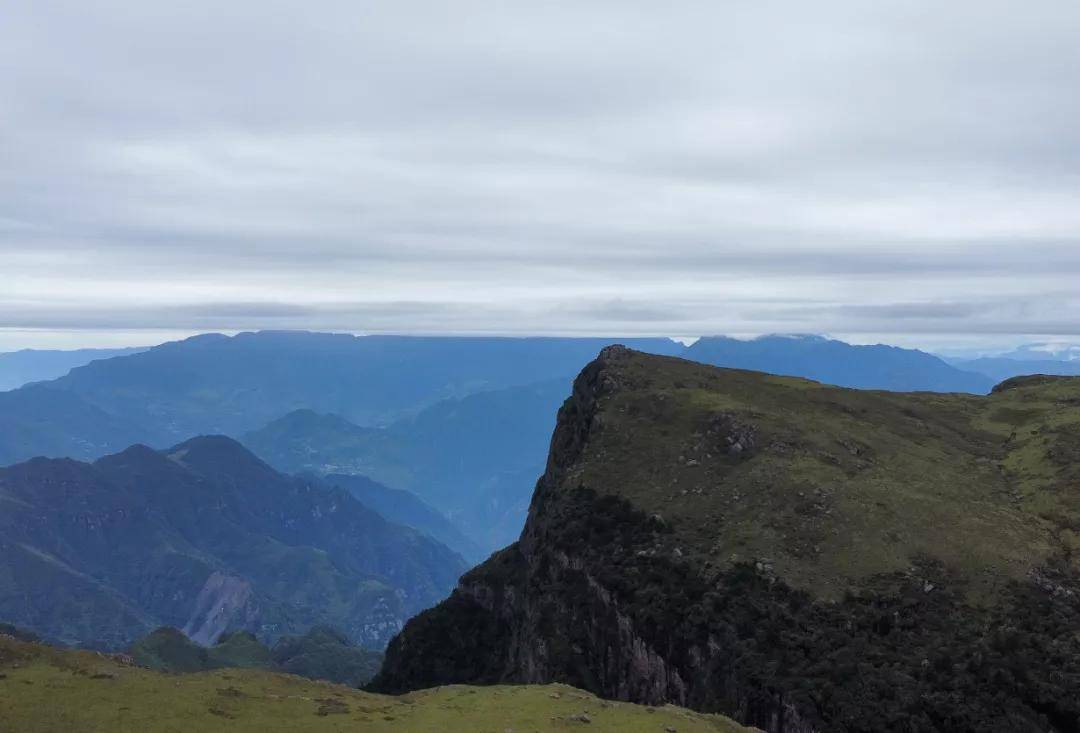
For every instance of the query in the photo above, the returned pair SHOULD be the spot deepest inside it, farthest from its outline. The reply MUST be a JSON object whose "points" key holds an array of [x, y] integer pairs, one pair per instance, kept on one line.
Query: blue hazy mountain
{"points": [[207, 538], [1043, 352], [308, 442], [41, 420], [999, 368], [838, 363], [214, 383], [489, 447], [35, 365], [230, 385], [467, 420], [475, 459], [404, 507]]}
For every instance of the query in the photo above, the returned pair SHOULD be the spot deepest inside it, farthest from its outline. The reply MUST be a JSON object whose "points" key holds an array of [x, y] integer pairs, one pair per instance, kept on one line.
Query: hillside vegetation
{"points": [[45, 690], [798, 556], [322, 654]]}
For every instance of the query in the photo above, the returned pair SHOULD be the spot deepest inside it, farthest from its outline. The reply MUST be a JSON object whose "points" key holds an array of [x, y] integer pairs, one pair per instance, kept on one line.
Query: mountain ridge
{"points": [[1000, 368], [18, 368], [204, 537], [829, 361]]}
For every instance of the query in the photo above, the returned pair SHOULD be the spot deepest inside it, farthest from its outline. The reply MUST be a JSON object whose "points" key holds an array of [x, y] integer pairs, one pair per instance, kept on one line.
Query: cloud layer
{"points": [[900, 170]]}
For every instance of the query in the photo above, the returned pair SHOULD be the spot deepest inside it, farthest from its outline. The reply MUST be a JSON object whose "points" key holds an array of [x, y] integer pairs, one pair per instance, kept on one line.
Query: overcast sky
{"points": [[899, 171]]}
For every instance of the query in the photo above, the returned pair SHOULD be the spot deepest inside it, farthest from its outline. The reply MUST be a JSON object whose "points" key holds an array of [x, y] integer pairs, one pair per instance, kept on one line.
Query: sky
{"points": [[906, 172]]}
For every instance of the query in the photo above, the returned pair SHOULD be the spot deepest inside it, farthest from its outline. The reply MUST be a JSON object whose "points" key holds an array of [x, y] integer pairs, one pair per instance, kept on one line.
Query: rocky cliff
{"points": [[799, 557]]}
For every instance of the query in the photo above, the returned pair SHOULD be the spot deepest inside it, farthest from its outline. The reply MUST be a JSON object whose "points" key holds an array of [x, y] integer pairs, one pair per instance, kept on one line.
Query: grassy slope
{"points": [[842, 484], [43, 689]]}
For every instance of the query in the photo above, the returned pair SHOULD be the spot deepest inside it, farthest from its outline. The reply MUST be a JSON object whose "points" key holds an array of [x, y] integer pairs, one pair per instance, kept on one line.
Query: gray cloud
{"points": [[898, 169]]}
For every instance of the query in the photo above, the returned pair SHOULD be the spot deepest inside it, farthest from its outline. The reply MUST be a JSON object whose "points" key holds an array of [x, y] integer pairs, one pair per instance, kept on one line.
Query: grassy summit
{"points": [[828, 486], [43, 690]]}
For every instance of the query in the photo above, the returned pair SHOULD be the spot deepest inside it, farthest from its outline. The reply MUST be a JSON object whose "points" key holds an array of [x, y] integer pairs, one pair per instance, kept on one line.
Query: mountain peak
{"points": [[137, 451], [137, 458], [215, 443], [216, 454]]}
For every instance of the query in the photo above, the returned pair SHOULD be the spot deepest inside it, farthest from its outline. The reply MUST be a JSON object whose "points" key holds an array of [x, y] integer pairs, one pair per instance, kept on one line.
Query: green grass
{"points": [[43, 690], [842, 484]]}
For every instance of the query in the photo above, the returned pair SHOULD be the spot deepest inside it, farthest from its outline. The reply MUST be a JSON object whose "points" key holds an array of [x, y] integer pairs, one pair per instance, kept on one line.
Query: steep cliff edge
{"points": [[796, 556]]}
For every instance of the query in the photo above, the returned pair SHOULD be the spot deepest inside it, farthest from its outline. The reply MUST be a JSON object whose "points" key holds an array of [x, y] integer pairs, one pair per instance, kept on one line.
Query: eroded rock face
{"points": [[731, 435], [224, 602], [622, 599]]}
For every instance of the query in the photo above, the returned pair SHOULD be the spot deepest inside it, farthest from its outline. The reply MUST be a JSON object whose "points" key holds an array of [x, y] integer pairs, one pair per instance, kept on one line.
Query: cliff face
{"points": [[801, 558]]}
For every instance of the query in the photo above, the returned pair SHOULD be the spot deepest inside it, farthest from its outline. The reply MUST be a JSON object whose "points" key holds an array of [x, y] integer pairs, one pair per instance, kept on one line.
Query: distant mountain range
{"points": [[841, 364], [207, 538], [230, 385], [999, 369], [461, 423], [215, 384], [42, 420], [35, 365], [1043, 352]]}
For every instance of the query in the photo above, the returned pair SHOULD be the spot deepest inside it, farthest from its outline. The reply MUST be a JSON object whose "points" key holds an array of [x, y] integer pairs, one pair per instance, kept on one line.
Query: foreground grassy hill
{"points": [[43, 689], [798, 556]]}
